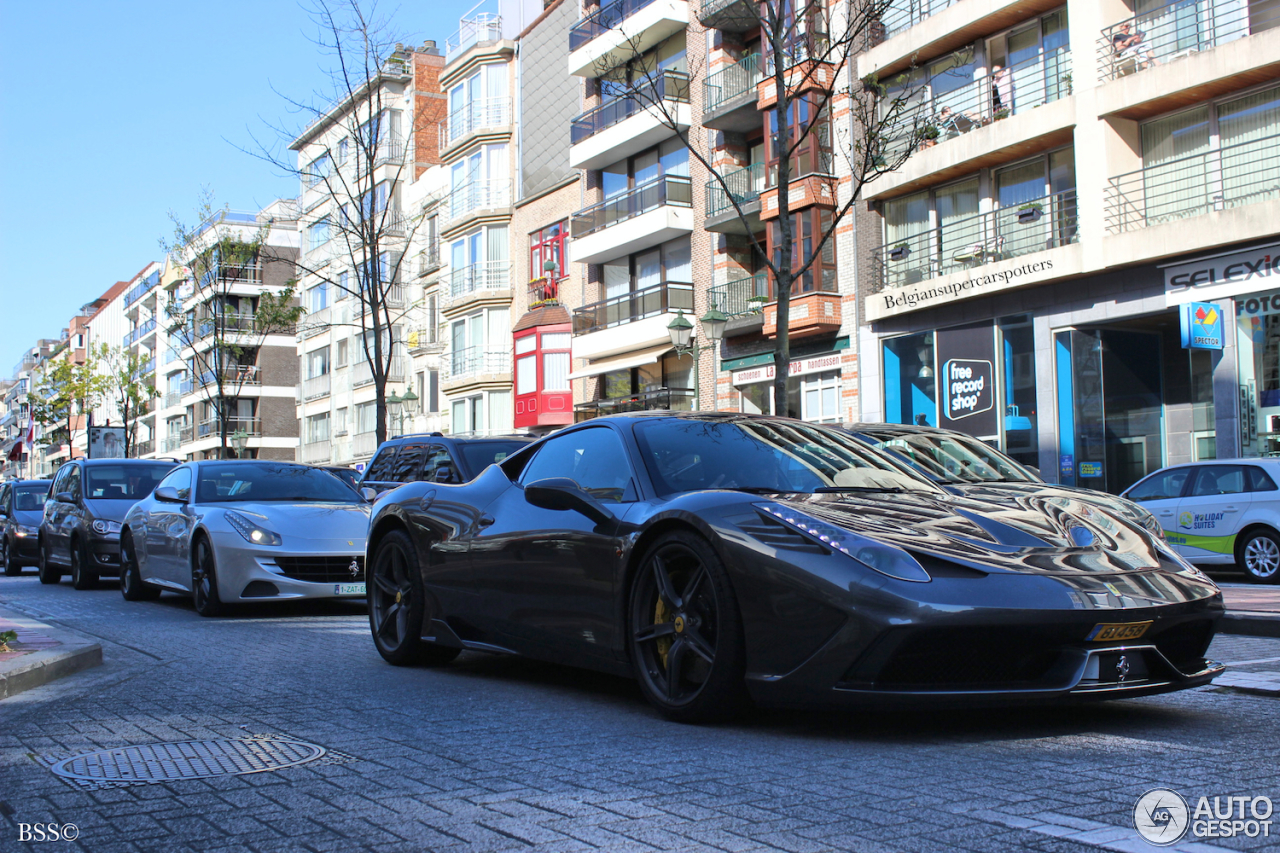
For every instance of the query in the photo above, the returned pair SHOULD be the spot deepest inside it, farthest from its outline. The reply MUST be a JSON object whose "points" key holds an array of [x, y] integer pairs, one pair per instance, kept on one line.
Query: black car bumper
{"points": [[25, 548], [105, 555]]}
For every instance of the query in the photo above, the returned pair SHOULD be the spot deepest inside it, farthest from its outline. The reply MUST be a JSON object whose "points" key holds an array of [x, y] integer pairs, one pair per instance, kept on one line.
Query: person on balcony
{"points": [[1001, 92], [1130, 48]]}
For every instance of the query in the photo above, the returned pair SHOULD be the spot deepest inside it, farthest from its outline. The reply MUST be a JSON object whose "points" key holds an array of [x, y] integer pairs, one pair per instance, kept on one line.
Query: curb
{"points": [[1250, 623], [71, 655]]}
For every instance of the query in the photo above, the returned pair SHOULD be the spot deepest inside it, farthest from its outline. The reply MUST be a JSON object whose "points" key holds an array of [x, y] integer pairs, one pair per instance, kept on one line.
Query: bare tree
{"points": [[216, 316], [807, 55], [355, 154], [125, 385]]}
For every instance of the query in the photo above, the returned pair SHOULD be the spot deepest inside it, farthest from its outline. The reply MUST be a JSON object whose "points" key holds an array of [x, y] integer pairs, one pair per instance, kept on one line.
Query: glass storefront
{"points": [[1258, 372], [815, 397]]}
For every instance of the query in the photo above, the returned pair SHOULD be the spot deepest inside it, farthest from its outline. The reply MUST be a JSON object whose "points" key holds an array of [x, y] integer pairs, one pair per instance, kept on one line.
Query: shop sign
{"points": [[1258, 304], [1201, 326], [1089, 470], [799, 367], [1226, 275], [1066, 465], [969, 387], [967, 380]]}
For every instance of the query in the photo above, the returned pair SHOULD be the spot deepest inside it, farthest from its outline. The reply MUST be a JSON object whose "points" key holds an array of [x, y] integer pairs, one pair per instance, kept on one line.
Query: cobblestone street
{"points": [[502, 754]]}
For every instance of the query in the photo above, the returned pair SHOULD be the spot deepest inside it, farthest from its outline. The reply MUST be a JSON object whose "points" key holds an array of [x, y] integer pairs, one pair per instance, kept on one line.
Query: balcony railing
{"points": [[143, 448], [429, 260], [669, 189], [668, 86], [669, 399], [141, 332], [147, 368], [316, 451], [477, 361], [486, 275], [173, 442], [1177, 30], [247, 273], [212, 428], [479, 195], [945, 111], [362, 372], [904, 14], [744, 185], [732, 82], [141, 289], [741, 296], [485, 27], [364, 443], [317, 386], [1009, 232], [233, 377], [1231, 176], [485, 112], [173, 399], [607, 17], [224, 324], [629, 307], [389, 150]]}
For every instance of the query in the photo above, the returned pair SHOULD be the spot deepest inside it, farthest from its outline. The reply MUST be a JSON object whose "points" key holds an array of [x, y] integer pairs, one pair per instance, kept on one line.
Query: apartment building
{"points": [[1079, 264], [17, 459], [378, 149]]}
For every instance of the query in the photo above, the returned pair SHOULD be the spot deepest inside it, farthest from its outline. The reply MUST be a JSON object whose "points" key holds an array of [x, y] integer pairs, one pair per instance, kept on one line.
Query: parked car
{"points": [[21, 506], [350, 476], [718, 556], [966, 466], [435, 458], [80, 530], [248, 530], [1219, 512]]}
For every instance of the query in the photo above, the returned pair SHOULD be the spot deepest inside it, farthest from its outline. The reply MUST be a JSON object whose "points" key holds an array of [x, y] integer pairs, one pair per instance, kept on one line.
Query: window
{"points": [[670, 159], [668, 262], [180, 480], [671, 372], [318, 297], [318, 363], [439, 467], [120, 482], [432, 398], [810, 152], [340, 421], [407, 462], [341, 360], [1214, 480], [344, 288], [547, 244], [807, 229], [556, 361], [814, 398], [317, 170], [1259, 481], [1162, 486], [344, 150], [318, 428], [379, 470], [593, 458], [317, 234], [479, 261], [366, 417]]}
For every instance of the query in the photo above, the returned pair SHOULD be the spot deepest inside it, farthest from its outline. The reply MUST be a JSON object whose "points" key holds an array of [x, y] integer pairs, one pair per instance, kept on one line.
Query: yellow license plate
{"points": [[1117, 631]]}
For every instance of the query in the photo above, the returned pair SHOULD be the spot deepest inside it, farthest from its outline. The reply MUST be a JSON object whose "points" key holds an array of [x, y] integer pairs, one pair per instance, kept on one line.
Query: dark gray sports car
{"points": [[720, 558]]}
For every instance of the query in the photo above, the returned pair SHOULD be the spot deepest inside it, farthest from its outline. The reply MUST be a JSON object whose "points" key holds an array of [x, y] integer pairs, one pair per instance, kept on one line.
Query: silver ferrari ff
{"points": [[226, 532]]}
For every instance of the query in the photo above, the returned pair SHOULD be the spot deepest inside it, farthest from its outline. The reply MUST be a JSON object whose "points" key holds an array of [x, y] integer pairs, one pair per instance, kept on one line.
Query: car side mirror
{"points": [[3, 513], [370, 495], [562, 493], [169, 495], [64, 497], [1033, 469]]}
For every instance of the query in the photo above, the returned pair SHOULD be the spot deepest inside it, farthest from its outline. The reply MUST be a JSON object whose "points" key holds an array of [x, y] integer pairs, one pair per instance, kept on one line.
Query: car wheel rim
{"points": [[75, 566], [392, 596], [674, 623], [202, 588], [1262, 557], [126, 568]]}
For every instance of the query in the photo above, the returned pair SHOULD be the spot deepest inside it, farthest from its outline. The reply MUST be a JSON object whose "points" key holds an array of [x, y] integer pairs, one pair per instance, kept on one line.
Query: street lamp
{"points": [[401, 406], [239, 440], [682, 338]]}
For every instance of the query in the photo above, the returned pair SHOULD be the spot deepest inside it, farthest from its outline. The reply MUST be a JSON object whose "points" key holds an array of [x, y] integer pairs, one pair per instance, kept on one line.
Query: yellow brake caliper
{"points": [[663, 643]]}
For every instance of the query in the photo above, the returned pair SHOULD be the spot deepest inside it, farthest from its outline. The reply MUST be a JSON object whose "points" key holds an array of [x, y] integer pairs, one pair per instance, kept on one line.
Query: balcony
{"points": [[233, 377], [663, 399], [484, 28], [620, 30], [423, 337], [475, 362], [390, 150], [965, 244], [742, 301], [173, 399], [478, 198], [212, 427], [476, 116], [143, 448], [173, 441], [364, 443], [631, 123], [1177, 31], [316, 452], [1225, 178], [315, 387], [232, 274], [362, 372], [729, 96], [491, 278], [731, 16], [642, 217], [744, 187], [141, 289], [544, 290], [629, 307], [140, 332], [429, 260]]}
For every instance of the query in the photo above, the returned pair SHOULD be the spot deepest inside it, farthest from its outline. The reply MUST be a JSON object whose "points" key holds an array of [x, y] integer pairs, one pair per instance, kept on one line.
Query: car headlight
{"points": [[106, 527], [251, 530], [23, 530], [877, 556], [1147, 520], [1183, 567]]}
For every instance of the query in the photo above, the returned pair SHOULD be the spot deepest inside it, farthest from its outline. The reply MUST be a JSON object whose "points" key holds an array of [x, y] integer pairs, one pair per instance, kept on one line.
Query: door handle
{"points": [[1229, 509], [484, 521], [1166, 512]]}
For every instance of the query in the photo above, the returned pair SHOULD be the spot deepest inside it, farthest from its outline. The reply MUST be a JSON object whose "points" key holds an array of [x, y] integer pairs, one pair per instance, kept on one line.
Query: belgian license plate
{"points": [[348, 589], [1117, 631]]}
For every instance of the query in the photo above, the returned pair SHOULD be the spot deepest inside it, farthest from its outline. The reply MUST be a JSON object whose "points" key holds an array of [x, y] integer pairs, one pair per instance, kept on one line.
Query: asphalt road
{"points": [[492, 753]]}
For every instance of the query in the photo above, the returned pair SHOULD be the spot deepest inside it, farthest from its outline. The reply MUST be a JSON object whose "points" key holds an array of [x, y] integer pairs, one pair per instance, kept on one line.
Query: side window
{"points": [[179, 479], [380, 467], [73, 482], [593, 458], [1162, 486], [1218, 480], [408, 460], [60, 481], [1259, 480], [4, 499], [440, 467]]}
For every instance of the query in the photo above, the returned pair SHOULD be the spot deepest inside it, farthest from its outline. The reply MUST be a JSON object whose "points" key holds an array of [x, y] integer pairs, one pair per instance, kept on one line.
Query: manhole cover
{"points": [[192, 759]]}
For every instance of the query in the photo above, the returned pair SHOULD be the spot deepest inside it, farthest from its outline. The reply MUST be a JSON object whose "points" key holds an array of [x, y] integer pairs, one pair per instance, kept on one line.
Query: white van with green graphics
{"points": [[1219, 512]]}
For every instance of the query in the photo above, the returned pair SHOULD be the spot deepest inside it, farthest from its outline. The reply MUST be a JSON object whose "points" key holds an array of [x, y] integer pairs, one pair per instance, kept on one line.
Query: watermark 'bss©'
{"points": [[29, 832]]}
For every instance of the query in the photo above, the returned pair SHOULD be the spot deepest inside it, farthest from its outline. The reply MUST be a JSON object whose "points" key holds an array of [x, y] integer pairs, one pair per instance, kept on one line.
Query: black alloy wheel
{"points": [[204, 579], [398, 605], [49, 573], [131, 585], [11, 565], [685, 633], [82, 574], [1258, 556]]}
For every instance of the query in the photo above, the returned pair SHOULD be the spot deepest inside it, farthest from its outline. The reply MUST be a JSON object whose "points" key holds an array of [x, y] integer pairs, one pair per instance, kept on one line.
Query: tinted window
{"points": [[180, 480], [1218, 480], [30, 498], [952, 458], [4, 498], [593, 458], [380, 467], [122, 482], [60, 480], [1259, 480], [269, 481], [479, 455], [1161, 486], [439, 467], [407, 462], [73, 482]]}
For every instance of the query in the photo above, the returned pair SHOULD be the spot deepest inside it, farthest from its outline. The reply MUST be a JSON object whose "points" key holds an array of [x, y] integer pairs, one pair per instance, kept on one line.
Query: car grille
{"points": [[1185, 644], [321, 569], [950, 657]]}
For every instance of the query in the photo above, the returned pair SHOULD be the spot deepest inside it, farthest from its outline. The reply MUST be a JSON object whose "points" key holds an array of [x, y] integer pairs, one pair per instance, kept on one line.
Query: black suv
{"points": [[81, 526], [436, 458], [21, 505]]}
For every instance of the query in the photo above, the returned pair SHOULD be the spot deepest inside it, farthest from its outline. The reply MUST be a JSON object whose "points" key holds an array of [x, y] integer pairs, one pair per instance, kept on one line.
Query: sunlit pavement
{"points": [[493, 753]]}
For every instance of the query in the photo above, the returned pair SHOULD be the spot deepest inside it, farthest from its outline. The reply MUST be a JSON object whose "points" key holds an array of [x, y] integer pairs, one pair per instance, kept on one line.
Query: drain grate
{"points": [[192, 759]]}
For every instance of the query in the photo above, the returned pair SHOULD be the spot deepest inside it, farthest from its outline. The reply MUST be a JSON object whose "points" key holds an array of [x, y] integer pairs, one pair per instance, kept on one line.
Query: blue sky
{"points": [[113, 114]]}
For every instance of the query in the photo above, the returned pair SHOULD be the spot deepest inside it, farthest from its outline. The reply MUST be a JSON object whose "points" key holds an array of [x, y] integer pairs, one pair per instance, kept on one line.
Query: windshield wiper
{"points": [[762, 490], [880, 489]]}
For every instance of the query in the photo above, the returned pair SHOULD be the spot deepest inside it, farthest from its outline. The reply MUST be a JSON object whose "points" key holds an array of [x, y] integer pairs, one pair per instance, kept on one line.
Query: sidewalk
{"points": [[1251, 609], [41, 654]]}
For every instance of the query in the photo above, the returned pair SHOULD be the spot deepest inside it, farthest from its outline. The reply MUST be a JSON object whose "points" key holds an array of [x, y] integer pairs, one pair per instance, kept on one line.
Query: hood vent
{"points": [[779, 535]]}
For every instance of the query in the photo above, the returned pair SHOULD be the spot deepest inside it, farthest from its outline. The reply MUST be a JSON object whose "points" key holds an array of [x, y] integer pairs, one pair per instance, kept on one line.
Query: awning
{"points": [[622, 362]]}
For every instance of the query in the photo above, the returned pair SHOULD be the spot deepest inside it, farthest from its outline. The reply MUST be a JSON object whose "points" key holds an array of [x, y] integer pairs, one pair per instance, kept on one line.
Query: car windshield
{"points": [[123, 482], [30, 498], [270, 481], [481, 454], [763, 455], [951, 458]]}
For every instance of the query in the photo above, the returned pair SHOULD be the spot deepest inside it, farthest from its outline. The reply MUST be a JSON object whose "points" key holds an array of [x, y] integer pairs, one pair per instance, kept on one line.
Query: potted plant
{"points": [[899, 252], [1030, 213], [757, 303], [928, 136]]}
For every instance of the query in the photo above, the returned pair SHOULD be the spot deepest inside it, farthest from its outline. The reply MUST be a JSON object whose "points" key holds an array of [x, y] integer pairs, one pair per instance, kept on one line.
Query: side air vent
{"points": [[778, 535]]}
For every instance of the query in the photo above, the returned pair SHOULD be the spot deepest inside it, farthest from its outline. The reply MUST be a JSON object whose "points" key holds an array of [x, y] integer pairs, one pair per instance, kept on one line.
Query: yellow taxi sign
{"points": [[1107, 632]]}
